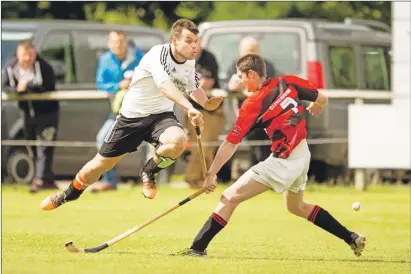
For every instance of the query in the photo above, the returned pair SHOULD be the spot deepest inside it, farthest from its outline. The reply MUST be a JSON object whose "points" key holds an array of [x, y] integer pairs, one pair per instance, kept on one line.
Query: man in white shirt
{"points": [[146, 114]]}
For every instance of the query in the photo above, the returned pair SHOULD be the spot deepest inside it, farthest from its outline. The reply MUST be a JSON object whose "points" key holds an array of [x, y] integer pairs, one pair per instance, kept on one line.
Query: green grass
{"points": [[262, 237]]}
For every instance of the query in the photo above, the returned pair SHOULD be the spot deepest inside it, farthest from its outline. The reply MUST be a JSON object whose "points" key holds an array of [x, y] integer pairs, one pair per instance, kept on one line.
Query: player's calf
{"points": [[72, 193], [149, 172], [173, 143], [326, 221], [87, 176]]}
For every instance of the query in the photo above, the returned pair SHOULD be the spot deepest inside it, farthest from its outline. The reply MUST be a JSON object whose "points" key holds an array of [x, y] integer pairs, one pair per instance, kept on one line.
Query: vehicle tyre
{"points": [[20, 165]]}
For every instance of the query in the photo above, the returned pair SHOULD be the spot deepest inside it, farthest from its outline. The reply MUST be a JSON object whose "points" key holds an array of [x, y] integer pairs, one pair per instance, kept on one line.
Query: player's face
{"points": [[187, 44], [250, 80]]}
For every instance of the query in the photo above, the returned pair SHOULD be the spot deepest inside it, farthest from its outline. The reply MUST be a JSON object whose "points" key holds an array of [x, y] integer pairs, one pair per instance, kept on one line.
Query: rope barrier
{"points": [[245, 143], [95, 94]]}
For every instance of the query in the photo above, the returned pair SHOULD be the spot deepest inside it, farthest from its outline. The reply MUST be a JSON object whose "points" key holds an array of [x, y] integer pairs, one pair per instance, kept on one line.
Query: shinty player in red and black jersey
{"points": [[275, 105]]}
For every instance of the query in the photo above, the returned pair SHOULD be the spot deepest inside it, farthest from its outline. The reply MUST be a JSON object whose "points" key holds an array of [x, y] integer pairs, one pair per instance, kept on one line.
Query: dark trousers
{"points": [[42, 127]]}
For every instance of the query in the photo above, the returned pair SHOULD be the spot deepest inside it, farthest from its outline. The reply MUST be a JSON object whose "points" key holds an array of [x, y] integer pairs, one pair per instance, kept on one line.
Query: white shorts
{"points": [[285, 174]]}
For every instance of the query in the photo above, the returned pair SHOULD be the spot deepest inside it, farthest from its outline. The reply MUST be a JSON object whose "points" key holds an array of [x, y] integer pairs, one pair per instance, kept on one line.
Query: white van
{"points": [[349, 55]]}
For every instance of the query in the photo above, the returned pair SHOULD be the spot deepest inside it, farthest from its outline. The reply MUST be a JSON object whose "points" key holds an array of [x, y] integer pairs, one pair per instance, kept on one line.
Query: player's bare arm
{"points": [[224, 153], [316, 107], [174, 94], [201, 98]]}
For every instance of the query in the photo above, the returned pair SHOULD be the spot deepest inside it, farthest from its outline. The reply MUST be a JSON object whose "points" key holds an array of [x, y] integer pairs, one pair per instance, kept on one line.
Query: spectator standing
{"points": [[29, 73], [114, 71], [207, 69]]}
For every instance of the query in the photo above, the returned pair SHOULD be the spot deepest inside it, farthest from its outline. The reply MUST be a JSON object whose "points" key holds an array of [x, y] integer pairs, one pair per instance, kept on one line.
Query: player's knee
{"points": [[179, 143], [231, 200]]}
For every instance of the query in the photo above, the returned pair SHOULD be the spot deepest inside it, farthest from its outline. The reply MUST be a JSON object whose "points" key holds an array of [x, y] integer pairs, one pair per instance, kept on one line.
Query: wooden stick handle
{"points": [[200, 150]]}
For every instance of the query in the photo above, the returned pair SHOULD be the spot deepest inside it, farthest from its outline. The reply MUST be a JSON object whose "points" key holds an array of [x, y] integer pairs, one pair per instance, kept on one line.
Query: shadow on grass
{"points": [[359, 260]]}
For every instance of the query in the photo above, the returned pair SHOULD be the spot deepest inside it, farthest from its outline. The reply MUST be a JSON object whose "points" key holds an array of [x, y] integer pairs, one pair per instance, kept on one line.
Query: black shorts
{"points": [[128, 133]]}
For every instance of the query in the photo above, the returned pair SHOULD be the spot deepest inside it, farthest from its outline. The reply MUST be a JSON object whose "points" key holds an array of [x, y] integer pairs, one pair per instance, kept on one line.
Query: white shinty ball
{"points": [[356, 206]]}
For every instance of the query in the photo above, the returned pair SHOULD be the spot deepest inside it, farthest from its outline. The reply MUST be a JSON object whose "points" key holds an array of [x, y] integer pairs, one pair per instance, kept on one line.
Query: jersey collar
{"points": [[174, 59], [265, 83]]}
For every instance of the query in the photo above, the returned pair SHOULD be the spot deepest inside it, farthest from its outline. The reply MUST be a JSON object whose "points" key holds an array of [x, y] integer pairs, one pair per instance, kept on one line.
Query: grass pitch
{"points": [[262, 237]]}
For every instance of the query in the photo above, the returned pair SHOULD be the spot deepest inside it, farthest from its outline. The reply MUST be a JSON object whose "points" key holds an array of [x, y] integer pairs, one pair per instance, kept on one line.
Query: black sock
{"points": [[151, 167], [323, 219], [213, 225], [72, 193]]}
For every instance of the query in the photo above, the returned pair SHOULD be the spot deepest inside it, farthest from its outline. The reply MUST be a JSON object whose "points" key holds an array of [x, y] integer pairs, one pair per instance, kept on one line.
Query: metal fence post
{"points": [[360, 179]]}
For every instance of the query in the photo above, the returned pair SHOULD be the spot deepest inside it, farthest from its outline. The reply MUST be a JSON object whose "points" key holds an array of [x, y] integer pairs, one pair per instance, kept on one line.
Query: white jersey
{"points": [[143, 96]]}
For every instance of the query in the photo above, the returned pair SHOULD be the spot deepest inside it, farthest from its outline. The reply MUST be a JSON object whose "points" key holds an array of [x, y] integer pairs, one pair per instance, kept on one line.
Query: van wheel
{"points": [[20, 165]]}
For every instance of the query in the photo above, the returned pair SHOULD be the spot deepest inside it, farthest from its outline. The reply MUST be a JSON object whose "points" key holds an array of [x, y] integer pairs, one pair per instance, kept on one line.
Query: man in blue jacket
{"points": [[113, 75]]}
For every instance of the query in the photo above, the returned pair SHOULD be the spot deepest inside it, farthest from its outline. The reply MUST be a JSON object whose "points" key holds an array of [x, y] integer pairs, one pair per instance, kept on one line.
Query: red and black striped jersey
{"points": [[276, 107]]}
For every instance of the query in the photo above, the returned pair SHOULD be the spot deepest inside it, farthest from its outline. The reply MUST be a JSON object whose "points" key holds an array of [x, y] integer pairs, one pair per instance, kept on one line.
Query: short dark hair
{"points": [[26, 44], [181, 24], [252, 62]]}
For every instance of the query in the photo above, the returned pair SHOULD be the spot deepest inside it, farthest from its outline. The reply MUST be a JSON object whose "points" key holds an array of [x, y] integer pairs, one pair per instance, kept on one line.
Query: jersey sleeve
{"points": [[193, 81], [306, 90], [159, 67], [247, 118]]}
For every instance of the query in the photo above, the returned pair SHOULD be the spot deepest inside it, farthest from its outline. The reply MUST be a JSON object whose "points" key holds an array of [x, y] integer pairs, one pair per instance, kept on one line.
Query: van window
{"points": [[97, 41], [145, 41], [280, 48], [376, 67], [57, 49], [91, 45], [343, 67]]}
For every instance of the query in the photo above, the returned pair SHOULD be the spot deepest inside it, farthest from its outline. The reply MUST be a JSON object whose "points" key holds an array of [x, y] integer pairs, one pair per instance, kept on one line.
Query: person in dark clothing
{"points": [[207, 69], [29, 73], [250, 45]]}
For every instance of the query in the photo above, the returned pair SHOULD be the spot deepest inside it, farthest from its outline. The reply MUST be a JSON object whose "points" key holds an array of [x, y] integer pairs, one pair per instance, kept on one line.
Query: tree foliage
{"points": [[163, 14]]}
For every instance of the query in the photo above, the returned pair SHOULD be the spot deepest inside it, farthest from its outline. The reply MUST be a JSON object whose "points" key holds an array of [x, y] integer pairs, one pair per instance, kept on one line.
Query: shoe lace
{"points": [[60, 198], [150, 176]]}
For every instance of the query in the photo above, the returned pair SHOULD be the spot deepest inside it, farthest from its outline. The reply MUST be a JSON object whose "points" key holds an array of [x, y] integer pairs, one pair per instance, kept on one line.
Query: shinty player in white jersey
{"points": [[147, 114]]}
